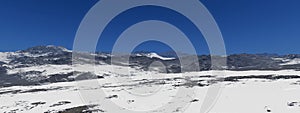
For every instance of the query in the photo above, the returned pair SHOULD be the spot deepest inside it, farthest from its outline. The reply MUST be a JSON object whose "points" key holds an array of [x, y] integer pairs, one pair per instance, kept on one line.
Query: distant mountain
{"points": [[42, 64]]}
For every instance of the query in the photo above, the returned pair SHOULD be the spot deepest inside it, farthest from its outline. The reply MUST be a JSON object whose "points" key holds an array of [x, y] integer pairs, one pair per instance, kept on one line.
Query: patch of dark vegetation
{"points": [[34, 90], [80, 109], [293, 104], [112, 96], [30, 90], [68, 77], [191, 83], [270, 77], [130, 101], [20, 79], [14, 80], [195, 100], [59, 78], [10, 92], [13, 111], [237, 78], [60, 103], [41, 90], [156, 81], [205, 76], [38, 103], [286, 77], [199, 83], [139, 83]]}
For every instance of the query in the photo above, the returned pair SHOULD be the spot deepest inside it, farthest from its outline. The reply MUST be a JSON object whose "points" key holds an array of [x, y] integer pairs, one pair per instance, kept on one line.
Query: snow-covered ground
{"points": [[132, 89]]}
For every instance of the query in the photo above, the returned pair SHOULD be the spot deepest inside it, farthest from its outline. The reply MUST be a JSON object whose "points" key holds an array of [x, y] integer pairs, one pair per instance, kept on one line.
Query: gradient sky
{"points": [[248, 26]]}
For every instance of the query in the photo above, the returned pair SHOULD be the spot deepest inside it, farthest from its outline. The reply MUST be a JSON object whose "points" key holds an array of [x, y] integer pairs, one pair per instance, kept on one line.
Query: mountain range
{"points": [[53, 79], [41, 64]]}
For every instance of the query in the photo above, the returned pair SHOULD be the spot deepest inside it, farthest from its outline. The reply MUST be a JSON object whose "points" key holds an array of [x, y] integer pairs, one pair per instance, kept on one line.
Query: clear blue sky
{"points": [[248, 26]]}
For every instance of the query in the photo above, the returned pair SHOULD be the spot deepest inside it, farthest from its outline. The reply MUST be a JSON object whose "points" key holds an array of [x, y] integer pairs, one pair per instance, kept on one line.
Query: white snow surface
{"points": [[155, 55], [288, 61], [292, 62], [245, 96], [4, 56]]}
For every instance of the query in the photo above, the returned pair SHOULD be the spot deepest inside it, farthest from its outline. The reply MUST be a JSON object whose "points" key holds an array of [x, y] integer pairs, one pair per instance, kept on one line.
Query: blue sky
{"points": [[248, 26]]}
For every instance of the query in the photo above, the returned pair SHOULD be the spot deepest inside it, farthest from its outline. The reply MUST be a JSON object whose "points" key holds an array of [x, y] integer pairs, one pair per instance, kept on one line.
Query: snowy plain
{"points": [[252, 95]]}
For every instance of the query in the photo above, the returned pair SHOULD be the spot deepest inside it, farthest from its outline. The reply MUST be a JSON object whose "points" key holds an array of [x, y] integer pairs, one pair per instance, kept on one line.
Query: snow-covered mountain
{"points": [[42, 64], [154, 55]]}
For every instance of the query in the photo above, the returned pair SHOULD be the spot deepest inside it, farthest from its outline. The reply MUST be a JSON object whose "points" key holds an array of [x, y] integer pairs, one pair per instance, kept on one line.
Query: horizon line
{"points": [[145, 51]]}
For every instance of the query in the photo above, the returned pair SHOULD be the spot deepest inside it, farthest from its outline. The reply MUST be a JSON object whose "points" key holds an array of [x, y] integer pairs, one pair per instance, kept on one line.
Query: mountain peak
{"points": [[45, 49]]}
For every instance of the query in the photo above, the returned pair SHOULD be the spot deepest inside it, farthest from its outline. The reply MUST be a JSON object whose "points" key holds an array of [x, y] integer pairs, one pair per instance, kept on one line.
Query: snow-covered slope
{"points": [[43, 79], [6, 57], [143, 91], [155, 55], [291, 61]]}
